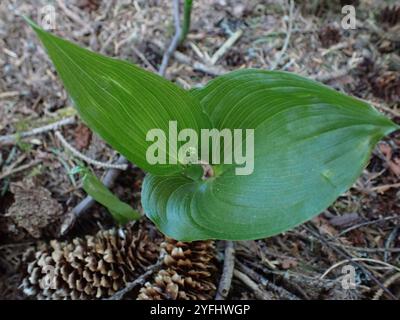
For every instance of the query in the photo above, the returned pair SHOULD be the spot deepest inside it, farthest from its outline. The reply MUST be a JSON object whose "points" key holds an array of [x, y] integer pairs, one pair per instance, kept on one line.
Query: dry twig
{"points": [[175, 40], [387, 283], [80, 155], [138, 281], [258, 292], [227, 273], [287, 39], [353, 262], [363, 224], [283, 293], [70, 14], [209, 69], [331, 76], [13, 138], [19, 169], [358, 259], [226, 46], [9, 94], [385, 187]]}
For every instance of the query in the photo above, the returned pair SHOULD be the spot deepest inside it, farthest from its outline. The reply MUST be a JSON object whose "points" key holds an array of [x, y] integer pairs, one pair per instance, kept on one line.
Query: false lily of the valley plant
{"points": [[310, 142]]}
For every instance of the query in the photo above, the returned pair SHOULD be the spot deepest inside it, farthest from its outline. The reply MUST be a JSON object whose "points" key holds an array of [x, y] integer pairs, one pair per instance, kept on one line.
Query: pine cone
{"points": [[187, 274], [92, 267]]}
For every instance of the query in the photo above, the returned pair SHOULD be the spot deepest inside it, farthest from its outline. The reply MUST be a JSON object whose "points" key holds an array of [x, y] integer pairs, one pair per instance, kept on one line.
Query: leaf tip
{"points": [[31, 23], [38, 30], [393, 127]]}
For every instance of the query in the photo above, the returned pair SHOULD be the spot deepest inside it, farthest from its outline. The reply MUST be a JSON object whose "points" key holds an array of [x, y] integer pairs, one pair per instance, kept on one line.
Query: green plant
{"points": [[311, 142], [187, 12], [121, 211]]}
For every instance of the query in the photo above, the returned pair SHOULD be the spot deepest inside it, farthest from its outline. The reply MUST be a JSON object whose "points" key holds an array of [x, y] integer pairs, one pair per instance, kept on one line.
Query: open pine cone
{"points": [[92, 267], [188, 272]]}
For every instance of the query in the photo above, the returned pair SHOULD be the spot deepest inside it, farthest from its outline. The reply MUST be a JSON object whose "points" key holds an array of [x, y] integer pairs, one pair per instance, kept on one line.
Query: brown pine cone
{"points": [[188, 272], [92, 267]]}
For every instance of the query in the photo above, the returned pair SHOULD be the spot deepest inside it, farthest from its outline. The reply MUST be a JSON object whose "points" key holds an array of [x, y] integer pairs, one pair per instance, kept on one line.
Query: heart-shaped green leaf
{"points": [[121, 101], [311, 144]]}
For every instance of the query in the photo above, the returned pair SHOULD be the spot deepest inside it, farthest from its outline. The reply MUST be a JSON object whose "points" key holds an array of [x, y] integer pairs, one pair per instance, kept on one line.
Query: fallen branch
{"points": [[227, 273], [13, 138]]}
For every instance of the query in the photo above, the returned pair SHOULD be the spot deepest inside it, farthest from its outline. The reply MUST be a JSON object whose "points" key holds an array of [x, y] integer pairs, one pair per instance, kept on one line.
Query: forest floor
{"points": [[362, 226]]}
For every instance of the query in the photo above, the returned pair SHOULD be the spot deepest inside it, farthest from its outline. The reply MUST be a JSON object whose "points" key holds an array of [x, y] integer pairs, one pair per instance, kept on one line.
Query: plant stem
{"points": [[187, 11]]}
